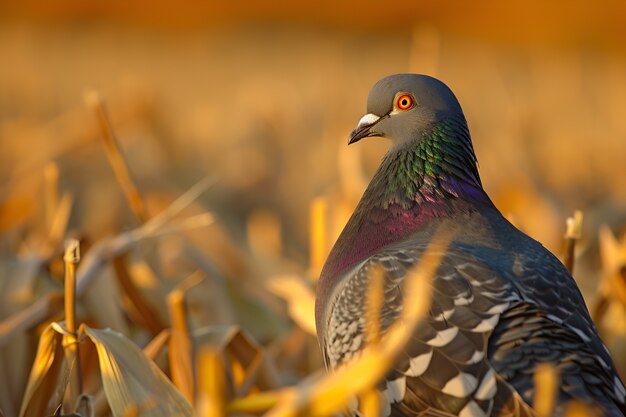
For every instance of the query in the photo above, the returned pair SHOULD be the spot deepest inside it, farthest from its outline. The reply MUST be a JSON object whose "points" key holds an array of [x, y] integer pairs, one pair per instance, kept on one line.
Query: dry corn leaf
{"points": [[211, 383], [16, 344], [132, 381], [369, 403], [258, 402], [44, 376], [116, 158], [180, 344], [242, 356], [300, 299], [157, 344]]}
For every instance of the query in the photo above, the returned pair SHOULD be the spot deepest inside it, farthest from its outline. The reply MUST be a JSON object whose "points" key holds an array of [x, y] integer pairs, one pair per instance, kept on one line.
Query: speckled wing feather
{"points": [[475, 353]]}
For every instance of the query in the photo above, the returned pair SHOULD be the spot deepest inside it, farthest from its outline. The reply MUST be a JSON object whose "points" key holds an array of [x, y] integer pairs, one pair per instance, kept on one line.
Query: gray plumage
{"points": [[501, 303]]}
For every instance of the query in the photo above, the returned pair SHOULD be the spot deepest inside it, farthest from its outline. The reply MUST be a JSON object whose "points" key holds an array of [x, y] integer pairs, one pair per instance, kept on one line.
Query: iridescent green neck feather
{"points": [[439, 166], [431, 177]]}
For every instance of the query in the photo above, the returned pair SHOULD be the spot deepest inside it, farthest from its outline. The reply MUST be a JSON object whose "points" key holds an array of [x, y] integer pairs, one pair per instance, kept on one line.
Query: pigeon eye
{"points": [[404, 102]]}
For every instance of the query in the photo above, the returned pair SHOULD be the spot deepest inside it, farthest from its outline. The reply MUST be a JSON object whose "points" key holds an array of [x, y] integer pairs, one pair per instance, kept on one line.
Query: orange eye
{"points": [[404, 102]]}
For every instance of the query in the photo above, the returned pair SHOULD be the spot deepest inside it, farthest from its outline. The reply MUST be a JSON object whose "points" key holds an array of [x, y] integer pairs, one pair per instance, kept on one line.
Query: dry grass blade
{"points": [[157, 344], [190, 223], [43, 381], [211, 400], [369, 403], [143, 310], [116, 159], [334, 391], [246, 358], [258, 403], [108, 249], [300, 300], [131, 381], [242, 357], [546, 386], [181, 346], [180, 203], [572, 235]]}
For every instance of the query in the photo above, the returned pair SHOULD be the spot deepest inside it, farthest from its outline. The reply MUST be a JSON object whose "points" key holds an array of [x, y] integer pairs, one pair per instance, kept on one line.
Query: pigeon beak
{"points": [[364, 128]]}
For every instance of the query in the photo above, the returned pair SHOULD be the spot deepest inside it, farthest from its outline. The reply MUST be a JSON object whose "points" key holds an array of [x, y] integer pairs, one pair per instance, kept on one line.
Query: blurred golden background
{"points": [[261, 97]]}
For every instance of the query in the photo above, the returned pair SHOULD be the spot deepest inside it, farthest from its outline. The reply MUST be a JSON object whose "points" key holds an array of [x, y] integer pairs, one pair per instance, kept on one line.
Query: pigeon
{"points": [[501, 303]]}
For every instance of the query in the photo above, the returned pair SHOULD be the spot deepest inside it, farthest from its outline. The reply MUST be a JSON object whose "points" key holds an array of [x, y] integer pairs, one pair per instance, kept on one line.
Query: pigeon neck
{"points": [[438, 167], [434, 178]]}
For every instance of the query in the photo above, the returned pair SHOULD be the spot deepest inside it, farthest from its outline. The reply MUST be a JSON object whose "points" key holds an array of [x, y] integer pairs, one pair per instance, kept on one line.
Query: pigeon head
{"points": [[431, 157], [402, 107]]}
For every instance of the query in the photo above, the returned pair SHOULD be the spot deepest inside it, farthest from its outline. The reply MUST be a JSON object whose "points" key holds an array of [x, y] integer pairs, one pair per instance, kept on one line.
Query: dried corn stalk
{"points": [[130, 380]]}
